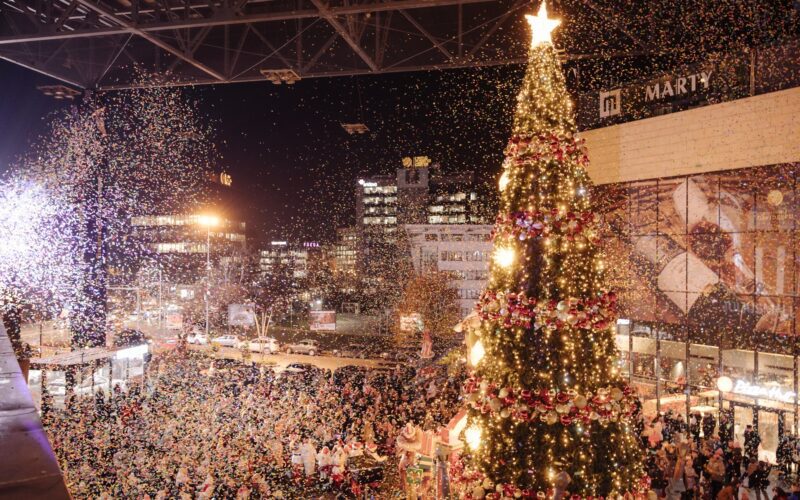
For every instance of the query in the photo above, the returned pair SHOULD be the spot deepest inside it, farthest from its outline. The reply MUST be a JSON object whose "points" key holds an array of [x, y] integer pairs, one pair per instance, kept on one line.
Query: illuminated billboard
{"points": [[710, 256]]}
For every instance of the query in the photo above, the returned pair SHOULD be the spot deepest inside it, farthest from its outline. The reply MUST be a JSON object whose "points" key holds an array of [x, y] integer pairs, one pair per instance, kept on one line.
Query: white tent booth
{"points": [[96, 368]]}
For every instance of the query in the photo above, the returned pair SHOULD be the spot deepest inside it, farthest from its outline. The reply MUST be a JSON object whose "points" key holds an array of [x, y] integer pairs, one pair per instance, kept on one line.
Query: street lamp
{"points": [[208, 221]]}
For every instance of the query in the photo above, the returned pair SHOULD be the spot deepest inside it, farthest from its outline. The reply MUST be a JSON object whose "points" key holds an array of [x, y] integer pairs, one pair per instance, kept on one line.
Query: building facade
{"points": [[345, 252], [179, 243], [280, 254], [418, 193], [702, 245], [376, 204], [463, 250]]}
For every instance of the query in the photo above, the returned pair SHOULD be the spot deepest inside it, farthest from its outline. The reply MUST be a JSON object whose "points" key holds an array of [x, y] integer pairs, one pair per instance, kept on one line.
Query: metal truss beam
{"points": [[427, 35], [44, 72], [328, 74], [103, 11], [222, 18], [344, 33], [455, 64]]}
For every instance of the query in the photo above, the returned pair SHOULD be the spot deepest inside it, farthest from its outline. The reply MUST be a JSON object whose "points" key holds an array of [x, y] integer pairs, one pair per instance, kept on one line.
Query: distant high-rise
{"points": [[418, 193], [180, 241], [461, 250]]}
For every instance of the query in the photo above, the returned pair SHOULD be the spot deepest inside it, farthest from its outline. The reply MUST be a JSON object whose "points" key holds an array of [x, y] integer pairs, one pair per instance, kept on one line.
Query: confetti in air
{"points": [[113, 157]]}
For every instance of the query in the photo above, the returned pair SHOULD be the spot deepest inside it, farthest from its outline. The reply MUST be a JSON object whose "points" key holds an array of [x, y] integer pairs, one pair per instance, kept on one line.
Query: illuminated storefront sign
{"points": [[416, 161], [678, 86], [777, 393]]}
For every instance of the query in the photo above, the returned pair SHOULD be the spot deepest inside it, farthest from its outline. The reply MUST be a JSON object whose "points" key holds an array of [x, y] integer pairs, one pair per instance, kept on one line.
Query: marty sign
{"points": [[610, 102]]}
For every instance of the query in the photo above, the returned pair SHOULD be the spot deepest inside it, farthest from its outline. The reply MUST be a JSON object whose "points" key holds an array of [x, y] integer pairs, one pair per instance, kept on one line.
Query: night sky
{"points": [[296, 168], [290, 159]]}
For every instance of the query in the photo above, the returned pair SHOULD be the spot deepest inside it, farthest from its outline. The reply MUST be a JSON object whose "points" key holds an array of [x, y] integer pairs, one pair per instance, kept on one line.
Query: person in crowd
{"points": [[759, 480], [694, 427], [716, 472], [728, 492], [751, 442], [725, 429], [233, 433], [779, 493], [709, 424]]}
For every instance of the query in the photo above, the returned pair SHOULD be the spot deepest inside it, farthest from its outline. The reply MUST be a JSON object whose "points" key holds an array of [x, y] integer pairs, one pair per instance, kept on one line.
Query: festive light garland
{"points": [[524, 225], [510, 310], [607, 404], [475, 485], [530, 149]]}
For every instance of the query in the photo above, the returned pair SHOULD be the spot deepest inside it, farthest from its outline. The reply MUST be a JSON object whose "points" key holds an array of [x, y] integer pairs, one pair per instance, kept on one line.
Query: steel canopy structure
{"points": [[96, 43]]}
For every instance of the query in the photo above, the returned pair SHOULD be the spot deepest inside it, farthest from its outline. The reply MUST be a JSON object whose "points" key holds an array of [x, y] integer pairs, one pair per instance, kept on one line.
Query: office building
{"points": [[291, 259], [462, 250], [418, 193], [179, 242]]}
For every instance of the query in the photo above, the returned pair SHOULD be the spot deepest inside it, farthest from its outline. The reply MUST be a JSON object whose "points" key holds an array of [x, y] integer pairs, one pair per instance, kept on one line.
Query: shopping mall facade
{"points": [[696, 177]]}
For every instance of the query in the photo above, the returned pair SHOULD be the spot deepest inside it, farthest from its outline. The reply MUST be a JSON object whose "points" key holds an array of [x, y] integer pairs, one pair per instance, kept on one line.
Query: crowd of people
{"points": [[701, 458], [243, 432]]}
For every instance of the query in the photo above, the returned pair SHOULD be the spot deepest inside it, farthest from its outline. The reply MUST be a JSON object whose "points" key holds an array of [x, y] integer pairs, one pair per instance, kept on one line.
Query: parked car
{"points": [[297, 368], [307, 346], [351, 351], [263, 344], [129, 337], [197, 338], [226, 341]]}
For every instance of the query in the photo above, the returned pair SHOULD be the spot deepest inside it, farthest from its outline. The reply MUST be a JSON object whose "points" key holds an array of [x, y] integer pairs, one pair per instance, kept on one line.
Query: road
{"points": [[56, 340], [282, 360]]}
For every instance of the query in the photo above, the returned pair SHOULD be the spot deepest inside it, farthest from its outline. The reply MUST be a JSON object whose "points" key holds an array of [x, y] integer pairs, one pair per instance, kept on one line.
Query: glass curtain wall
{"points": [[706, 270]]}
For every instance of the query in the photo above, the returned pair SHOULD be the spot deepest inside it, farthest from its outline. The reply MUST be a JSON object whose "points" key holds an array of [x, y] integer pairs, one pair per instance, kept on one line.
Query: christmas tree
{"points": [[548, 409]]}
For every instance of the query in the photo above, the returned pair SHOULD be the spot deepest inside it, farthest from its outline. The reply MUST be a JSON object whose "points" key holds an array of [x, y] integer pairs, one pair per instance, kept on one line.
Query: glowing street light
{"points": [[725, 384], [208, 221]]}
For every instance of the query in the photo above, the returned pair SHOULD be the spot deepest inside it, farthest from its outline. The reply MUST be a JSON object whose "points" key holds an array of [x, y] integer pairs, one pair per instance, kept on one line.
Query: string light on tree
{"points": [[503, 182], [476, 353], [547, 408], [504, 256], [473, 436]]}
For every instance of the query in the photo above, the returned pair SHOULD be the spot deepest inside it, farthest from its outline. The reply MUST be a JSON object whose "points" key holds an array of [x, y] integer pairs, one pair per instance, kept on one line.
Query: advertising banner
{"points": [[411, 323], [712, 254], [174, 321], [241, 315], [322, 321]]}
